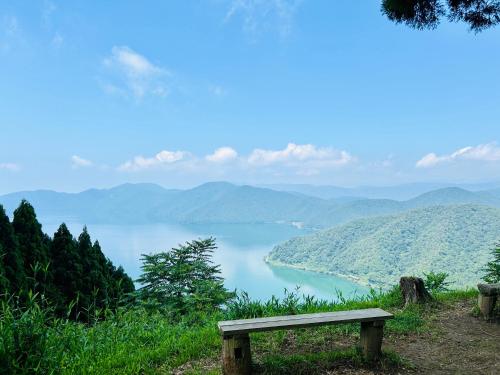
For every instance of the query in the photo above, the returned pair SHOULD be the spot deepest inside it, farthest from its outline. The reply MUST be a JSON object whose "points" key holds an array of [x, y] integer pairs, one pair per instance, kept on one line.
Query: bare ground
{"points": [[454, 342], [457, 343]]}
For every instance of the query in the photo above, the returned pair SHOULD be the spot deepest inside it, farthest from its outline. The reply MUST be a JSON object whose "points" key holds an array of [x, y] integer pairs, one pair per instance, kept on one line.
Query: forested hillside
{"points": [[456, 239], [71, 275], [221, 202]]}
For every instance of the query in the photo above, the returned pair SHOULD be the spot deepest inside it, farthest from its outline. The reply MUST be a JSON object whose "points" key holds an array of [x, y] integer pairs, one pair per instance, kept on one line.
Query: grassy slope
{"points": [[455, 239], [135, 342]]}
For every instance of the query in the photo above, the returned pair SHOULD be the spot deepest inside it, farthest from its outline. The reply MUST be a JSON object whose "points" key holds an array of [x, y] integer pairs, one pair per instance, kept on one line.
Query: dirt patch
{"points": [[457, 343]]}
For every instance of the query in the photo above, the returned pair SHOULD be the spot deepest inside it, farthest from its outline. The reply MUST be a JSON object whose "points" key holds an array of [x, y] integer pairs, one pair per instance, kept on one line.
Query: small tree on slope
{"points": [[184, 279], [492, 268]]}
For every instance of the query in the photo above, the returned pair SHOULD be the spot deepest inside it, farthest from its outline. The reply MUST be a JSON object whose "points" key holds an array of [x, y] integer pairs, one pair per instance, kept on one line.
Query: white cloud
{"points": [[134, 73], [10, 166], [483, 152], [294, 160], [294, 154], [222, 154], [162, 158], [261, 15], [430, 160], [79, 162]]}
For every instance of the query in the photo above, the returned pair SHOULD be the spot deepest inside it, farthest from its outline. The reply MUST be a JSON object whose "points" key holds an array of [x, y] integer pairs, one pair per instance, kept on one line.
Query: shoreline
{"points": [[353, 278]]}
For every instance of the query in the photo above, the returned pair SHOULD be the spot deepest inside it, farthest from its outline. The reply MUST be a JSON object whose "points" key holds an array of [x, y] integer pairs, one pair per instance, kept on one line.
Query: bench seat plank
{"points": [[244, 326]]}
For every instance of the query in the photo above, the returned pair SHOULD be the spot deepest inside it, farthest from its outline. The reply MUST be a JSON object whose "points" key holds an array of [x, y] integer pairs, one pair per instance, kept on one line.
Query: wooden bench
{"points": [[488, 295], [236, 356]]}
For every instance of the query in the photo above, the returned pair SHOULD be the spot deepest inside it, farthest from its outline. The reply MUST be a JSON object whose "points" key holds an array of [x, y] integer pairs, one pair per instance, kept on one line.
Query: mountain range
{"points": [[396, 192], [222, 202]]}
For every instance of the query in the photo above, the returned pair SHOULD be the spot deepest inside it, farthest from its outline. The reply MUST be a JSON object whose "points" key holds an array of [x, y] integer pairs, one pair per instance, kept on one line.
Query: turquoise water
{"points": [[241, 252]]}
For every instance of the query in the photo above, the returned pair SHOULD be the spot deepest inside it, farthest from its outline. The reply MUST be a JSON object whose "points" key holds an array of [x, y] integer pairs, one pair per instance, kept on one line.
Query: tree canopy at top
{"points": [[426, 14]]}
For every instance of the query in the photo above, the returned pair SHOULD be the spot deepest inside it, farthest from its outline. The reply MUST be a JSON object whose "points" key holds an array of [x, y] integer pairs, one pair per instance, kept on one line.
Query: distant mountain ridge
{"points": [[222, 202], [396, 192], [456, 239]]}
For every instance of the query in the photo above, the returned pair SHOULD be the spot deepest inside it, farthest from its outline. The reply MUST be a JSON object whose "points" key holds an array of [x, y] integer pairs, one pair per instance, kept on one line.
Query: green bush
{"points": [[436, 282], [183, 280], [492, 269]]}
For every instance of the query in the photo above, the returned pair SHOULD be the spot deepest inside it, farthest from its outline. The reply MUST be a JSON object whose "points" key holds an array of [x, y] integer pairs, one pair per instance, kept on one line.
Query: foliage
{"points": [[127, 341], [426, 14], [184, 279], [33, 243], [11, 256], [380, 250], [436, 282], [62, 270], [134, 340], [492, 269]]}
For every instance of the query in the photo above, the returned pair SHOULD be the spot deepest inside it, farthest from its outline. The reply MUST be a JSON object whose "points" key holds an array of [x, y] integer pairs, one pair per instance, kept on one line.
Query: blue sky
{"points": [[94, 94]]}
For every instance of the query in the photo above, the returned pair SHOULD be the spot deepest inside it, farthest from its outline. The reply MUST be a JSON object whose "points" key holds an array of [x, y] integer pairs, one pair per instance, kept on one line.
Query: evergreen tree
{"points": [[184, 280], [123, 281], [4, 282], [102, 276], [33, 243], [492, 268], [68, 272], [67, 269], [12, 258], [426, 14], [88, 282]]}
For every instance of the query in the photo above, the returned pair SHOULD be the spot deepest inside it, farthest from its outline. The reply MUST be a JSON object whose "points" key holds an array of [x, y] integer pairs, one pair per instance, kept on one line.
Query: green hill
{"points": [[455, 239]]}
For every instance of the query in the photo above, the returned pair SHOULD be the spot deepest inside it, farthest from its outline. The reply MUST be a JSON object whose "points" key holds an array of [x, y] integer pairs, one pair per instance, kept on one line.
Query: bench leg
{"points": [[371, 339], [236, 356], [487, 305]]}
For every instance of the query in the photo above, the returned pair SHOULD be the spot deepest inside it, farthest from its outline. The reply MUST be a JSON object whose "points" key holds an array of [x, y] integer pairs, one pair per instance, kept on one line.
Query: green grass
{"points": [[136, 341], [313, 363]]}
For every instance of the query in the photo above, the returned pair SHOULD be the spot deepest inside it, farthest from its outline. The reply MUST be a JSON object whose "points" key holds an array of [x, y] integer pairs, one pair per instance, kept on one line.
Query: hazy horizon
{"points": [[482, 185]]}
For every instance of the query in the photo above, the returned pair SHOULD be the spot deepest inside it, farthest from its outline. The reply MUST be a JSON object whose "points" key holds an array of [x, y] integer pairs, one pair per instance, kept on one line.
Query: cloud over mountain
{"points": [[482, 152]]}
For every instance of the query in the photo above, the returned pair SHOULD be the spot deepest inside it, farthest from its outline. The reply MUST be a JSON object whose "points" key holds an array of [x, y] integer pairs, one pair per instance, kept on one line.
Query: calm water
{"points": [[241, 252]]}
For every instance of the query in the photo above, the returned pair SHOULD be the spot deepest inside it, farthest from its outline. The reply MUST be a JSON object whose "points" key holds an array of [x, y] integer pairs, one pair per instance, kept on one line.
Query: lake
{"points": [[241, 252]]}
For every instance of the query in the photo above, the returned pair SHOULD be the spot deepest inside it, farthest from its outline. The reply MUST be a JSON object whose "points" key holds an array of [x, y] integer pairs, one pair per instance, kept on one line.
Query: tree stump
{"points": [[413, 290]]}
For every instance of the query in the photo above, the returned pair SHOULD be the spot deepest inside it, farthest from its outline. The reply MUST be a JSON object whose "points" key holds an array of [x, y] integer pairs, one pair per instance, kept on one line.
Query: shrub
{"points": [[436, 282], [492, 268], [183, 280]]}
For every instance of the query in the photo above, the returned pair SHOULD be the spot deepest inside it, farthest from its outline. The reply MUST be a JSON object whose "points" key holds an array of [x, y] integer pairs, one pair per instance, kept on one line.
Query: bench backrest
{"points": [[243, 326]]}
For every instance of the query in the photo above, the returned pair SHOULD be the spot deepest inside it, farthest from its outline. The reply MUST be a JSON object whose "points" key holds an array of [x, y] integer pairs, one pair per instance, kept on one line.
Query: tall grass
{"points": [[136, 340]]}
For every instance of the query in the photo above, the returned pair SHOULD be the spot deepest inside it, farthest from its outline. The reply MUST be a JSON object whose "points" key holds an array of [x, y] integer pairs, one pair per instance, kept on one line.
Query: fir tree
{"points": [[492, 268], [123, 281], [4, 282], [12, 258], [101, 276], [88, 282], [184, 280], [66, 271], [66, 267], [33, 243]]}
